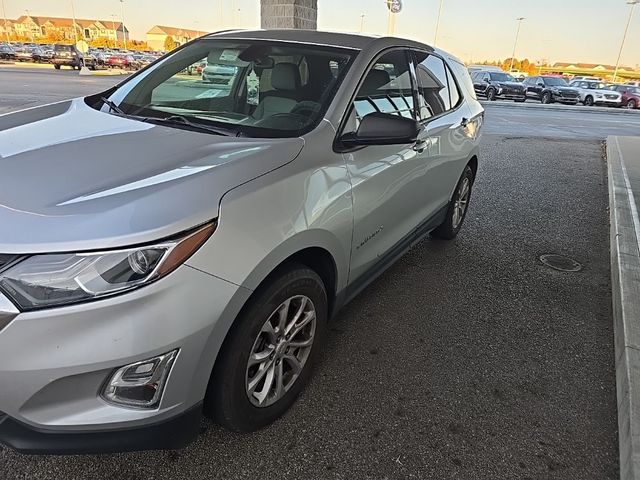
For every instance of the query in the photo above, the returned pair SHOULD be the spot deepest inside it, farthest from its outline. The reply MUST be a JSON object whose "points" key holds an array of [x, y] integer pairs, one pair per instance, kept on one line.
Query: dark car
{"points": [[630, 95], [550, 89], [70, 56], [7, 52], [495, 85]]}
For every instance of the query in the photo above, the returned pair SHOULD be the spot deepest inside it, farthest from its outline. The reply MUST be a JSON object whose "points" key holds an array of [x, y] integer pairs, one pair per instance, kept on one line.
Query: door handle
{"points": [[421, 145]]}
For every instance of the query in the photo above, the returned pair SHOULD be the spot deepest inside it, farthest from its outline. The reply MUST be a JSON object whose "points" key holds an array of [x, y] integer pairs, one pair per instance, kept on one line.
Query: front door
{"points": [[389, 199]]}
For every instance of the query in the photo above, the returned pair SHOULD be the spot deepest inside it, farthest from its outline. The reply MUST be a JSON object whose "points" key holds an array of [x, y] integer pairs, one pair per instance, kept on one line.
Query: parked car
{"points": [[634, 84], [70, 56], [193, 263], [550, 89], [7, 52], [486, 68], [596, 93], [126, 62], [24, 54], [218, 73], [498, 85], [588, 79], [630, 95]]}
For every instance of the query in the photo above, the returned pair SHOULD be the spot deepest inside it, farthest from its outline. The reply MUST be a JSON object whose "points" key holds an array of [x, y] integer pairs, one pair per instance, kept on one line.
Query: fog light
{"points": [[140, 384]]}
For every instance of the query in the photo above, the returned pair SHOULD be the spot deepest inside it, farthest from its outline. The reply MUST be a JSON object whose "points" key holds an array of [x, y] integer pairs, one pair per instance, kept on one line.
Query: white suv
{"points": [[596, 93]]}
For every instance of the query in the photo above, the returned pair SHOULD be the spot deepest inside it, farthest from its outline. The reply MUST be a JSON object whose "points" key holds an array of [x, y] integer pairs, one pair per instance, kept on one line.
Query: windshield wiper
{"points": [[112, 106], [184, 121]]}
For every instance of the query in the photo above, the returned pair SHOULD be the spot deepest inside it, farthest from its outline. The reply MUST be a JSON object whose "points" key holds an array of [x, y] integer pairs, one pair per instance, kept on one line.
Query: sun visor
{"points": [[226, 56]]}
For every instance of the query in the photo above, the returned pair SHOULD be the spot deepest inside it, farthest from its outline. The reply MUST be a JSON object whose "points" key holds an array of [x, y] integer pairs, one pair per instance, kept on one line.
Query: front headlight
{"points": [[51, 280]]}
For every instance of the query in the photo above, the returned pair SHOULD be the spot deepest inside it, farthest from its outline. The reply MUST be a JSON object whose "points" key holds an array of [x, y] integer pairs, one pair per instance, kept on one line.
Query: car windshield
{"points": [[555, 81], [257, 88], [501, 77]]}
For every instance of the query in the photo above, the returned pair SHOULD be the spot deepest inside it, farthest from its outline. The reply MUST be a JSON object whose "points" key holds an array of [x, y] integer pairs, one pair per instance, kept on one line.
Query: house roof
{"points": [[62, 22], [590, 66], [174, 31]]}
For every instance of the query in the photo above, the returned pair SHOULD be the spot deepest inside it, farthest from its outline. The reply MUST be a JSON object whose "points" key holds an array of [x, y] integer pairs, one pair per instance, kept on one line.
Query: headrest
{"points": [[286, 76], [373, 81]]}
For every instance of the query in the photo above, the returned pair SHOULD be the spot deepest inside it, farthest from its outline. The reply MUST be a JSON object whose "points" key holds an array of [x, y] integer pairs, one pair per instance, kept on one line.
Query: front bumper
{"points": [[171, 434], [55, 362]]}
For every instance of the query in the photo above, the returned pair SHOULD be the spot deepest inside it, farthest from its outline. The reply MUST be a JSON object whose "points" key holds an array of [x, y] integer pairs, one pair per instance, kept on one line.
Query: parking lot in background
{"points": [[467, 359]]}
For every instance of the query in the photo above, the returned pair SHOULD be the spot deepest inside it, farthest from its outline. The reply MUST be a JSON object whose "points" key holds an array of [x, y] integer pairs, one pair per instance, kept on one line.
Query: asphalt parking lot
{"points": [[467, 359]]}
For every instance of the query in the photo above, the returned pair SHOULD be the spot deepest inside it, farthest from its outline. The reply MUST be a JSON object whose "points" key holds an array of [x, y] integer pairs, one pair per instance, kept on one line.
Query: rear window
{"points": [[63, 48]]}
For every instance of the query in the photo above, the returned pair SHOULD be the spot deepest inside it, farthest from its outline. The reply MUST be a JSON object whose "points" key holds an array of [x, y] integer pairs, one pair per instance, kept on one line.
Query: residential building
{"points": [[157, 36], [36, 28]]}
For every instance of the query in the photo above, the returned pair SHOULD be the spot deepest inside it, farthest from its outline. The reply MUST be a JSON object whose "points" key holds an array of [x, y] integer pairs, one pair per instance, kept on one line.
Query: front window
{"points": [[262, 88], [502, 77], [555, 82]]}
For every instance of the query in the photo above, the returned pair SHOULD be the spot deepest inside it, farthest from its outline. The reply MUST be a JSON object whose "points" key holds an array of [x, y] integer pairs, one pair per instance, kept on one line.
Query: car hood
{"points": [[516, 85], [73, 178]]}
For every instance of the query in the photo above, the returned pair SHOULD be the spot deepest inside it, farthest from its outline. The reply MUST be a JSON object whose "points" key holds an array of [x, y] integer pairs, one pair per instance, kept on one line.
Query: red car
{"points": [[630, 95], [122, 61]]}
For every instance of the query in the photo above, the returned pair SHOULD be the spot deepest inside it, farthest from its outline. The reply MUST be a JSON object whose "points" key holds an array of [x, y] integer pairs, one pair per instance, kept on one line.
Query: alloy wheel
{"points": [[461, 202], [280, 351], [631, 104]]}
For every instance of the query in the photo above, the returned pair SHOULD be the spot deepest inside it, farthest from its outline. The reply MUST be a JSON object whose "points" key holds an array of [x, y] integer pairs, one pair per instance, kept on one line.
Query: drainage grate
{"points": [[560, 262]]}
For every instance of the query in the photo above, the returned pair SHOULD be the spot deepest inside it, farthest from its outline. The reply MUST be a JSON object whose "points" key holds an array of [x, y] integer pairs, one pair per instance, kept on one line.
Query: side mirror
{"points": [[383, 129], [540, 84]]}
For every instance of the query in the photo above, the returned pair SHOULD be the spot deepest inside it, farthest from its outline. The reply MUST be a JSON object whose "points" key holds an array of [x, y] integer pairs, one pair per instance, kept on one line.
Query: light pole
{"points": [[633, 4], [75, 27], [435, 37], [124, 32], [6, 23], [515, 44], [362, 23], [115, 32]]}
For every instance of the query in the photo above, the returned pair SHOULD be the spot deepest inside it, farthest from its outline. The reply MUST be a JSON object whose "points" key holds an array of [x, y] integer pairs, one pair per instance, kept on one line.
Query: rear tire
{"points": [[450, 228], [56, 66], [631, 104], [228, 400]]}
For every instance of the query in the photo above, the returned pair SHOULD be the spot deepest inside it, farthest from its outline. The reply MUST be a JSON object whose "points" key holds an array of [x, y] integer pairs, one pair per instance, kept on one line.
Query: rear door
{"points": [[444, 116]]}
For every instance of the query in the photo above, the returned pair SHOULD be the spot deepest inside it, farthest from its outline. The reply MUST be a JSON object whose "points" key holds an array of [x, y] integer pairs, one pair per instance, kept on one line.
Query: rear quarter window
{"points": [[462, 76]]}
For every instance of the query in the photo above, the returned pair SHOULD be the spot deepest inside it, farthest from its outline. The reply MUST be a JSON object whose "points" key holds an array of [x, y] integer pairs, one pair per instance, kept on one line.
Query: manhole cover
{"points": [[560, 262]]}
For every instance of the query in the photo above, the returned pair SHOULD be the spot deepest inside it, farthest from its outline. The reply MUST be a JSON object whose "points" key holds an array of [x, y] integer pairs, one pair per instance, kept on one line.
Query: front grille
{"points": [[569, 95], [609, 96]]}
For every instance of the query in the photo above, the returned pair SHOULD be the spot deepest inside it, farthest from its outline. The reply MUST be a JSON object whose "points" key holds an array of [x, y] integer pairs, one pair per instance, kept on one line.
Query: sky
{"points": [[553, 30]]}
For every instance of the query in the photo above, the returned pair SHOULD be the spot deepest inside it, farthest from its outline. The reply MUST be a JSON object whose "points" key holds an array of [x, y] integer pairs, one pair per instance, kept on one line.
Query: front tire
{"points": [[269, 353], [546, 98], [631, 104], [458, 207], [589, 101], [491, 95], [56, 66]]}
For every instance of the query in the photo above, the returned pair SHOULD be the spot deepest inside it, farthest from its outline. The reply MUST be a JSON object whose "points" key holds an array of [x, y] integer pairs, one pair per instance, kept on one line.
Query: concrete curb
{"points": [[562, 108], [625, 276]]}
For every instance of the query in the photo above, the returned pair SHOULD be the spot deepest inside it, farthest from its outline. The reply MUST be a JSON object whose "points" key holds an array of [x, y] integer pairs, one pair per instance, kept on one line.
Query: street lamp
{"points": [[6, 23], [124, 32], [633, 4], [115, 32], [435, 37], [515, 44], [362, 23]]}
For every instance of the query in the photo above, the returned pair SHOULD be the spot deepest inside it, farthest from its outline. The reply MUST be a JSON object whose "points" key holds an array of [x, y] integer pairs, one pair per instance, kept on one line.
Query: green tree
{"points": [[169, 43]]}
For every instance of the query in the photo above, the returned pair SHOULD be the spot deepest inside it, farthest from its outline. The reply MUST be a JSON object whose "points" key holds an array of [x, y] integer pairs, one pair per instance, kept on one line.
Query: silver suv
{"points": [[170, 249]]}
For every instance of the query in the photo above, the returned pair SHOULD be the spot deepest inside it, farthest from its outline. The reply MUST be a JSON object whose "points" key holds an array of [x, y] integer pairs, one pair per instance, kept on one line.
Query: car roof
{"points": [[317, 37]]}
